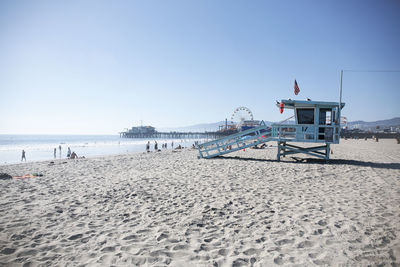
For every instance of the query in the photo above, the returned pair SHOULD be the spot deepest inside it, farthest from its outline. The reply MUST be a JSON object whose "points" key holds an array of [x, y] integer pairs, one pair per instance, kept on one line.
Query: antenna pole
{"points": [[340, 99], [341, 85]]}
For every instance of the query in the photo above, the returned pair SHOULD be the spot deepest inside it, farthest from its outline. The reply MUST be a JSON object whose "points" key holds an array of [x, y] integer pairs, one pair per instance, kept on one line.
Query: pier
{"points": [[174, 135]]}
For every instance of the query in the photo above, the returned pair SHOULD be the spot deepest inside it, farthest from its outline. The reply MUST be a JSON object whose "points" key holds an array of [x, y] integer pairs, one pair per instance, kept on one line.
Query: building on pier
{"points": [[142, 130]]}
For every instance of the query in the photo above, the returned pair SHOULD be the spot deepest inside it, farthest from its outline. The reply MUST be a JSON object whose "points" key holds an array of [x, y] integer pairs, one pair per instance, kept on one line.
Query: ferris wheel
{"points": [[241, 114]]}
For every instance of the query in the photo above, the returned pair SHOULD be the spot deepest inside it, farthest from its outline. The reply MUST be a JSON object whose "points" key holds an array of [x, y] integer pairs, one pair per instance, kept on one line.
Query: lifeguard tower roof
{"points": [[292, 104]]}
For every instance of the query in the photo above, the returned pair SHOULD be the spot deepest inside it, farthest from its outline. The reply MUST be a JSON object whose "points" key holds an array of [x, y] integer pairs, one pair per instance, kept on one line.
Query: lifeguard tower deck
{"points": [[315, 122]]}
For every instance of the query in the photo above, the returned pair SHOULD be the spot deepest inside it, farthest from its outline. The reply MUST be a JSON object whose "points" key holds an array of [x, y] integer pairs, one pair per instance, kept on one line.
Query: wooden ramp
{"points": [[235, 142], [282, 133]]}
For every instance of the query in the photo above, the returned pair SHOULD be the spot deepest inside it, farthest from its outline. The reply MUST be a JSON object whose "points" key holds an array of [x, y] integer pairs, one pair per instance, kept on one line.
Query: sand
{"points": [[170, 208]]}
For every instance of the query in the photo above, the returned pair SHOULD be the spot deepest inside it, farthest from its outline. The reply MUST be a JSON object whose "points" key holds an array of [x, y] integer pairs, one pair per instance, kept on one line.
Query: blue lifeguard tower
{"points": [[315, 122]]}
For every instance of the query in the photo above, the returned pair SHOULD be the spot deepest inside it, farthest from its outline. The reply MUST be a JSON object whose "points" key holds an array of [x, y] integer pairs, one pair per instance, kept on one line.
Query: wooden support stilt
{"points": [[321, 152], [278, 156]]}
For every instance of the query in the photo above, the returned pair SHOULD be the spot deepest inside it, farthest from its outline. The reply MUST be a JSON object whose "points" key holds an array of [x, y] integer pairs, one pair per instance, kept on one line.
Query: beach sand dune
{"points": [[171, 208]]}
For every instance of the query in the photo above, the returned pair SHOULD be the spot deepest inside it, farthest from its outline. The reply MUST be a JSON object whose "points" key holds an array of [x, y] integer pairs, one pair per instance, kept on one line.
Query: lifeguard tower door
{"points": [[325, 119]]}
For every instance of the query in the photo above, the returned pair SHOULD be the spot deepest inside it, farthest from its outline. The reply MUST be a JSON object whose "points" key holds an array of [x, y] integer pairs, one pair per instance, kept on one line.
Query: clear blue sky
{"points": [[71, 67]]}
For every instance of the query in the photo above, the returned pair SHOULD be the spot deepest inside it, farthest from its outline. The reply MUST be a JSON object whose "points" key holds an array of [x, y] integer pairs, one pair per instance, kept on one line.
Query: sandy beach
{"points": [[171, 208]]}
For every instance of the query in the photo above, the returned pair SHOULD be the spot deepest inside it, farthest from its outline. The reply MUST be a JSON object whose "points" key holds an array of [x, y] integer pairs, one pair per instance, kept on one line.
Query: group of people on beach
{"points": [[73, 155], [70, 155], [163, 146]]}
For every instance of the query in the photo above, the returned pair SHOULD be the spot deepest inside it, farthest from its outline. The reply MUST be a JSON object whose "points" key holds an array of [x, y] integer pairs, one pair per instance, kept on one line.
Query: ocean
{"points": [[41, 147]]}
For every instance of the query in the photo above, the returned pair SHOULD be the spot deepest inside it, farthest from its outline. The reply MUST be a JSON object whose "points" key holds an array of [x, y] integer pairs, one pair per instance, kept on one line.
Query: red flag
{"points": [[296, 88]]}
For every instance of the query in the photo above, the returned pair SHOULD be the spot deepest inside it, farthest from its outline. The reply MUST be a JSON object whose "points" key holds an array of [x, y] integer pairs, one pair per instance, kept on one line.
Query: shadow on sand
{"points": [[393, 166]]}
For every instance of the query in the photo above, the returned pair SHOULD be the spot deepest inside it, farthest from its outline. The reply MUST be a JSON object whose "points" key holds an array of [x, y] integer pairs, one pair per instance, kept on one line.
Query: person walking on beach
{"points": [[172, 144], [148, 147], [23, 156], [59, 147], [155, 146], [55, 152], [69, 152]]}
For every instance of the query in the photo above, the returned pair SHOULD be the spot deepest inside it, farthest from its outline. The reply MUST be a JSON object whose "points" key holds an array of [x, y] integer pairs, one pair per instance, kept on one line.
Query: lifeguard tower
{"points": [[315, 122]]}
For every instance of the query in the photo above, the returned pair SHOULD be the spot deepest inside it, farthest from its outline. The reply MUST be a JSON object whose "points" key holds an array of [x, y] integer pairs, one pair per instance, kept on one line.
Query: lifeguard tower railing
{"points": [[325, 129], [235, 142]]}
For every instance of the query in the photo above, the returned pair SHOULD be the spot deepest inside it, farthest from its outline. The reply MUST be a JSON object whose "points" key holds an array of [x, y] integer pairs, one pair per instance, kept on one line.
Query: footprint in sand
{"points": [[260, 240], [305, 244], [8, 251], [318, 232], [130, 237], [29, 252], [223, 252], [240, 262], [159, 253], [208, 240], [313, 255], [321, 262], [284, 242], [108, 249], [180, 247], [142, 231], [173, 241], [74, 237], [162, 236], [17, 237], [250, 251], [278, 260], [204, 247]]}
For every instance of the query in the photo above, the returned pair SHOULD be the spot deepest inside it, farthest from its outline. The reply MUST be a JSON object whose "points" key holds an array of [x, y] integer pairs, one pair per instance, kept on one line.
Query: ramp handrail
{"points": [[276, 132], [235, 142]]}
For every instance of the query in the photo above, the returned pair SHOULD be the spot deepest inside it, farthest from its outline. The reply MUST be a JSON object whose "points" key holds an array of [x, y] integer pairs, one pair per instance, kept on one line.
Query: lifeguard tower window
{"points": [[325, 116], [305, 115]]}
